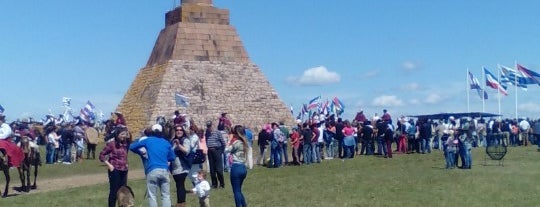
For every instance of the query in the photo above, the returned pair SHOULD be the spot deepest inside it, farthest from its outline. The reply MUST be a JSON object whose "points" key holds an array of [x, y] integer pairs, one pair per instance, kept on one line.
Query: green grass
{"points": [[405, 180]]}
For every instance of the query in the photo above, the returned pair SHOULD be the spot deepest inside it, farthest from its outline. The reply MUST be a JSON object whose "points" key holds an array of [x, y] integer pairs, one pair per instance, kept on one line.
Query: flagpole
{"points": [[484, 90], [499, 91], [516, 86], [467, 88]]}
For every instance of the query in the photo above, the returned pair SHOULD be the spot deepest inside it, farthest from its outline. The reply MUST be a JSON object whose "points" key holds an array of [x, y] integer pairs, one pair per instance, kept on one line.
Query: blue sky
{"points": [[409, 57]]}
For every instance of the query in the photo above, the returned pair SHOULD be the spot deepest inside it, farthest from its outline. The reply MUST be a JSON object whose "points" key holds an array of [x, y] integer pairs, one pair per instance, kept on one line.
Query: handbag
{"points": [[198, 156]]}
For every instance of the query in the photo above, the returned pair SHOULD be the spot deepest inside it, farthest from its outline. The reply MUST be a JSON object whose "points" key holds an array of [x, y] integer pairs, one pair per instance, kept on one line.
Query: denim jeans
{"points": [[238, 174], [427, 146], [284, 153], [330, 147], [67, 152], [381, 146], [316, 157], [158, 179], [450, 159], [50, 154], [275, 157], [307, 154], [349, 151], [468, 155]]}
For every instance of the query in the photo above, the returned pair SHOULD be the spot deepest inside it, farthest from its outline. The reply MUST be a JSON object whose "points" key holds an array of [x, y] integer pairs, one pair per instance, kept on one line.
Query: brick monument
{"points": [[200, 55]]}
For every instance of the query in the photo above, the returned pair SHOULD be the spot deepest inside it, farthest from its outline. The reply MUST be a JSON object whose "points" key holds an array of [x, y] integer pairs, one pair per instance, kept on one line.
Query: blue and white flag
{"points": [[66, 101], [87, 113], [181, 100], [474, 84], [1, 109], [509, 75]]}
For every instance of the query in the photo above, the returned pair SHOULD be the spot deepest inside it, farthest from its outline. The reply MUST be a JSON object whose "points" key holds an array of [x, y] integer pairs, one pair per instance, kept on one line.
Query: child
{"points": [[202, 189]]}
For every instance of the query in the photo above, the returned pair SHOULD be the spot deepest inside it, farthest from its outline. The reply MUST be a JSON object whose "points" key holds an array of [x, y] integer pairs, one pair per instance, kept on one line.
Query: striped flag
{"points": [[529, 74], [509, 75], [338, 104], [87, 113], [1, 109]]}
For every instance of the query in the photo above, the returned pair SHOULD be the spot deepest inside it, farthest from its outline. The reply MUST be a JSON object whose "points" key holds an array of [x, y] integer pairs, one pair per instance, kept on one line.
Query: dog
{"points": [[125, 197]]}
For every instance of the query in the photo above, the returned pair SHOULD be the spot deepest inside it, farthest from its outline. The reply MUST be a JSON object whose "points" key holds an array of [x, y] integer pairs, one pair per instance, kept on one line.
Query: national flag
{"points": [[181, 100], [313, 103], [292, 110], [509, 75], [492, 82], [66, 101], [304, 109], [338, 104], [529, 74], [1, 109], [325, 108], [87, 113], [476, 85]]}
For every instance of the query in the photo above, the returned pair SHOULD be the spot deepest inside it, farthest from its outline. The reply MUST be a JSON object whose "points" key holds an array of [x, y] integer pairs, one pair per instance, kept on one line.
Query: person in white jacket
{"points": [[202, 189]]}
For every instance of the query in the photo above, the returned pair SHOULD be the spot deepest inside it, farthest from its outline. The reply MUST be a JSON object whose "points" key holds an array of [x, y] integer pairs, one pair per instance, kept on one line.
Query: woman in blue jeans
{"points": [[237, 147]]}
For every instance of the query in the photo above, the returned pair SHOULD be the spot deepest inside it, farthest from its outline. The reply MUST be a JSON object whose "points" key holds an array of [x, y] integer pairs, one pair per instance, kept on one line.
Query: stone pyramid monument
{"points": [[200, 55]]}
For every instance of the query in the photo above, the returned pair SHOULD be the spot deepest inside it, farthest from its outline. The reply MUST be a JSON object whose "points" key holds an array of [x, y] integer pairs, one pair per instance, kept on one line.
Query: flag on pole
{"points": [[181, 100], [476, 85], [313, 103], [529, 74], [1, 109], [87, 113], [509, 75], [492, 82], [325, 108], [292, 111], [66, 101], [338, 104]]}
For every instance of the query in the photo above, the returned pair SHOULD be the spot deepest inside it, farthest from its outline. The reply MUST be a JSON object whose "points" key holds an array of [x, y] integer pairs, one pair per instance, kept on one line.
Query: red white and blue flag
{"points": [[313, 103], [529, 74], [492, 82]]}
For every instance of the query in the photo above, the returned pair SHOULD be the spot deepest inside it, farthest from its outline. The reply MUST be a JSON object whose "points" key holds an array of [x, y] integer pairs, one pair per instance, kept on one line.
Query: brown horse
{"points": [[31, 158]]}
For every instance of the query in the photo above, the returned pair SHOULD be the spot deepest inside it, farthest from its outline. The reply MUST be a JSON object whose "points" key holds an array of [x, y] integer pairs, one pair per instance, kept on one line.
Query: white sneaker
{"points": [[66, 163]]}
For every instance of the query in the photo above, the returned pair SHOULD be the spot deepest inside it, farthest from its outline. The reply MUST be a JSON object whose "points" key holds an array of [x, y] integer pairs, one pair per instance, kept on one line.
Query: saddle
{"points": [[14, 154]]}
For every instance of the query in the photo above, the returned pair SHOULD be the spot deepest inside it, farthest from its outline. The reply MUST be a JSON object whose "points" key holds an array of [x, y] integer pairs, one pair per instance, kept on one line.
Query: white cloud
{"points": [[409, 65], [411, 87], [414, 101], [370, 74], [386, 100], [316, 76], [433, 98]]}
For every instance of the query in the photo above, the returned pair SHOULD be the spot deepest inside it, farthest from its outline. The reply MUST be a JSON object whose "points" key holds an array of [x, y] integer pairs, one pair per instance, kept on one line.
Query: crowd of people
{"points": [[228, 148], [322, 137]]}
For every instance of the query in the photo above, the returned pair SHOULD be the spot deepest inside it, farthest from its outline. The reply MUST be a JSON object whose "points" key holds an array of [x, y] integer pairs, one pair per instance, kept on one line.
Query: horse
{"points": [[23, 165], [31, 158]]}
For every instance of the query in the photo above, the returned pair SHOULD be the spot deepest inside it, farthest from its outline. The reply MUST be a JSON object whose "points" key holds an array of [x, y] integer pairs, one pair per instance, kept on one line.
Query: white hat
{"points": [[157, 127]]}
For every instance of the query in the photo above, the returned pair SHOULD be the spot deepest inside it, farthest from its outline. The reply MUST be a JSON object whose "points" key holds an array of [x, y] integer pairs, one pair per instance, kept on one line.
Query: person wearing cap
{"points": [[156, 166], [238, 147], [215, 144], [114, 155]]}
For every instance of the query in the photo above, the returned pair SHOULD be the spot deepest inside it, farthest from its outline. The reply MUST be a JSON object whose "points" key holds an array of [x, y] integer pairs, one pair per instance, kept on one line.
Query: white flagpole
{"points": [[483, 90], [468, 97], [498, 91], [516, 86]]}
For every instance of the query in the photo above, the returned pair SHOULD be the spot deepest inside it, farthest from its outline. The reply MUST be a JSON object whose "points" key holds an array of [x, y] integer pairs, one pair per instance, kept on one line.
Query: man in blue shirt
{"points": [[159, 154]]}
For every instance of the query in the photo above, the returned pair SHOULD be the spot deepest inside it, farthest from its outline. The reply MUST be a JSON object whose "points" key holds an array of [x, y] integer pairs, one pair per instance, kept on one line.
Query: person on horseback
{"points": [[9, 150]]}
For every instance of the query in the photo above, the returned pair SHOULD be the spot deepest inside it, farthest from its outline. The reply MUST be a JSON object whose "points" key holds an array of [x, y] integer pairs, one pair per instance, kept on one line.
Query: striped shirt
{"points": [[215, 140]]}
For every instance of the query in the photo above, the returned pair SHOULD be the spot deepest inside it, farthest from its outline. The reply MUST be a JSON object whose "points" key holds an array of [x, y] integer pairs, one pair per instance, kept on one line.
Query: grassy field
{"points": [[405, 180]]}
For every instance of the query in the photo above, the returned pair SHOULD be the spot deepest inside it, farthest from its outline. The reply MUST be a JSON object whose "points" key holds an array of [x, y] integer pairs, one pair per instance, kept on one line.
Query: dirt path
{"points": [[47, 185]]}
